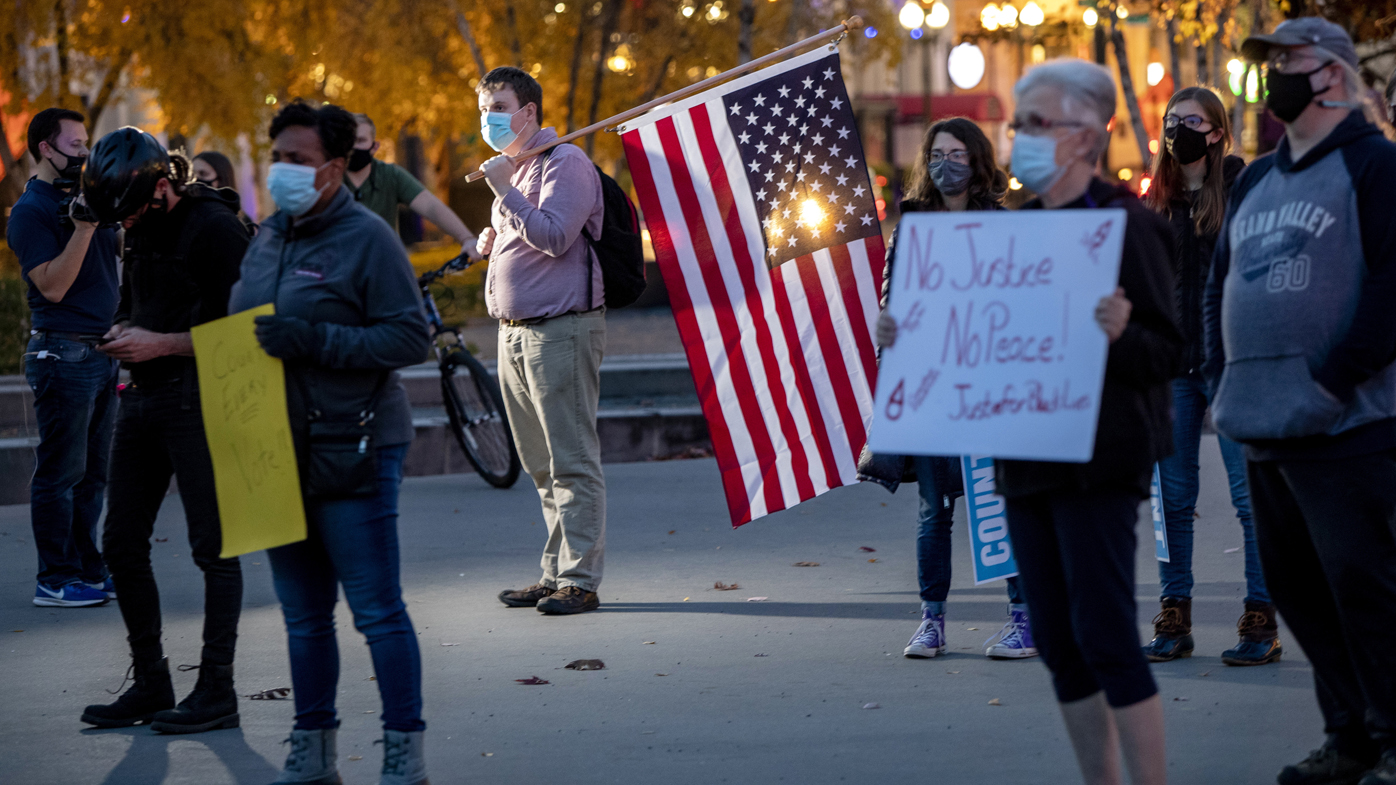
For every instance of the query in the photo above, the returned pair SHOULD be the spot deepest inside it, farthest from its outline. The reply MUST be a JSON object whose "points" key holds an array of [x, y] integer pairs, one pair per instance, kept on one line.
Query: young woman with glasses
{"points": [[954, 171]]}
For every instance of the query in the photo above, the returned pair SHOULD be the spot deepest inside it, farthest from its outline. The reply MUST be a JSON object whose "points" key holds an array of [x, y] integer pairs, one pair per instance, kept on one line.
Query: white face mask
{"points": [[497, 128], [292, 187], [1035, 162]]}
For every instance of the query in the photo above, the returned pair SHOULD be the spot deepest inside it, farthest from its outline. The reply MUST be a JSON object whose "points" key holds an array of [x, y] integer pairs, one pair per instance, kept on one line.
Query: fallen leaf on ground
{"points": [[762, 655], [533, 680], [806, 564], [1180, 699], [871, 706], [585, 665], [972, 629], [1231, 550], [356, 757], [162, 539], [757, 599], [1205, 673], [994, 702], [371, 678], [866, 549], [661, 674], [487, 754], [269, 695], [720, 586], [952, 671], [872, 561], [686, 599], [370, 711], [16, 630], [671, 531], [648, 643], [450, 644]]}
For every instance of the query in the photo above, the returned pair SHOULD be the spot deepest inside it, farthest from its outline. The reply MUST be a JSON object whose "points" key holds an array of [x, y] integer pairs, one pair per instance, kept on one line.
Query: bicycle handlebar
{"points": [[457, 264]]}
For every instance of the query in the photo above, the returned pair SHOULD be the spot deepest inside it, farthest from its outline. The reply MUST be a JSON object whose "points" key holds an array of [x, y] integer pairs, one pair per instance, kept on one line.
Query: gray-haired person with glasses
{"points": [[1073, 524], [1301, 338]]}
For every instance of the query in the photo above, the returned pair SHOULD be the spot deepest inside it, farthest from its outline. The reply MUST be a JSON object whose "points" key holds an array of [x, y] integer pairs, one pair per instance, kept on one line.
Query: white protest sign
{"points": [[998, 351]]}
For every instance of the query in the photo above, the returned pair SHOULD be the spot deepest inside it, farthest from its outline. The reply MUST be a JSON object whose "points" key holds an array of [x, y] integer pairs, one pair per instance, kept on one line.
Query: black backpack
{"points": [[619, 249]]}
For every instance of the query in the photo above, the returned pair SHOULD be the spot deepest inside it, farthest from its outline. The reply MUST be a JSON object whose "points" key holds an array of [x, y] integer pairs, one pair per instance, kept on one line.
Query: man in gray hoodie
{"points": [[1301, 340]]}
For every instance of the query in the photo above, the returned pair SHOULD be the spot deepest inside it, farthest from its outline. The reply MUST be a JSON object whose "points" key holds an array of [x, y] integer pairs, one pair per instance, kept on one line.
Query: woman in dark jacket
{"points": [[347, 315], [954, 171], [1192, 177]]}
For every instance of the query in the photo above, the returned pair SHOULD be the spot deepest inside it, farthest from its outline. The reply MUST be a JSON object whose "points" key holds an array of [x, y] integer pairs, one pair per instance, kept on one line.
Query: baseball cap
{"points": [[1304, 31]]}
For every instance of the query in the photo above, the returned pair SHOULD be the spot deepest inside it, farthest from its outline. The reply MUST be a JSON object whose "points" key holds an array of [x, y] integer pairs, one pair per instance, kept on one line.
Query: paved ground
{"points": [[697, 705]]}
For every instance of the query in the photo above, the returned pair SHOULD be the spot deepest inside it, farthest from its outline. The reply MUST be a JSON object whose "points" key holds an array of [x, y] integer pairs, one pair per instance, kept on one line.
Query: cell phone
{"points": [[103, 341]]}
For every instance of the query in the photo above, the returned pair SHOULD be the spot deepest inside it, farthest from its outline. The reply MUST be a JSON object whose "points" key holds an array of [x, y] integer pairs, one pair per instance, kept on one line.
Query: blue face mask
{"points": [[292, 187], [495, 127], [1035, 162]]}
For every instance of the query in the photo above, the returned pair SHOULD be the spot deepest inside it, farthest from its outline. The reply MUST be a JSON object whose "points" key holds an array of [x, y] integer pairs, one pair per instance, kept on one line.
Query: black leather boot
{"points": [[1172, 631], [212, 704], [151, 693]]}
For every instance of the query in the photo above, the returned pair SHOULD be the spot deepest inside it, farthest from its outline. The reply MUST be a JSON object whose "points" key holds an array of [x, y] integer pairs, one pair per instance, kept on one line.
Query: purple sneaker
{"points": [[929, 639], [1014, 641]]}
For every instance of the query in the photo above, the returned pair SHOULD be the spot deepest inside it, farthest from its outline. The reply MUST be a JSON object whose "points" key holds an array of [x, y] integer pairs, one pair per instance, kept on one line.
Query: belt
{"points": [[90, 340], [540, 319]]}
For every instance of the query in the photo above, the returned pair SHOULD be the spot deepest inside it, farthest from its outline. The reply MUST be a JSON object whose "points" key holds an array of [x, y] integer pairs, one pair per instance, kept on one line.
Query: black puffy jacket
{"points": [[1192, 264]]}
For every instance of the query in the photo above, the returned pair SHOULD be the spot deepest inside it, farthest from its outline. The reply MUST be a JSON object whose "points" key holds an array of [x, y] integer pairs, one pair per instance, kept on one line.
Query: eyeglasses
{"points": [[1034, 125], [958, 156], [1281, 62], [1192, 121]]}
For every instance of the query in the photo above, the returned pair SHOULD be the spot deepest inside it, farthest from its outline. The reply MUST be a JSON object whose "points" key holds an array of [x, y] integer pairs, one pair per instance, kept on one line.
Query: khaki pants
{"points": [[550, 374]]}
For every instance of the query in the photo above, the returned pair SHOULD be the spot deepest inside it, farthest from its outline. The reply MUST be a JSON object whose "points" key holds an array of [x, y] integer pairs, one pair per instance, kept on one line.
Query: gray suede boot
{"points": [[403, 759], [311, 761]]}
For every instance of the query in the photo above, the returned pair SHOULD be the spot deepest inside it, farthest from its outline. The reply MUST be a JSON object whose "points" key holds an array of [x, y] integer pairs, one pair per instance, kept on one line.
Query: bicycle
{"points": [[474, 404]]}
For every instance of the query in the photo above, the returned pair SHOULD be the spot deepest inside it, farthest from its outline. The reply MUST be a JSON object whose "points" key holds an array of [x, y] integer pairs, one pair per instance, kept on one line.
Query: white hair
{"points": [[1088, 90]]}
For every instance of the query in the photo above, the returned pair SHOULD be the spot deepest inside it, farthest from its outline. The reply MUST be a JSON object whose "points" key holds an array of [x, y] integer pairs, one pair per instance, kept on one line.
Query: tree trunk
{"points": [[793, 22], [60, 26], [609, 23], [1201, 50], [577, 45], [104, 93], [1141, 137], [12, 186], [463, 25], [658, 82], [1176, 62], [747, 16], [512, 22]]}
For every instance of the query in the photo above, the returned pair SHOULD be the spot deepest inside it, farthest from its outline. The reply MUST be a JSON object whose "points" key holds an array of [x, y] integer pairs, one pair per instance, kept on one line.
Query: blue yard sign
{"points": [[1160, 527], [988, 524]]}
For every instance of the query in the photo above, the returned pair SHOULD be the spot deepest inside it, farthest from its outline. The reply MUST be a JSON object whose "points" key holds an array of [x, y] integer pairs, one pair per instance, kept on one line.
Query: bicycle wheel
{"points": [[475, 408]]}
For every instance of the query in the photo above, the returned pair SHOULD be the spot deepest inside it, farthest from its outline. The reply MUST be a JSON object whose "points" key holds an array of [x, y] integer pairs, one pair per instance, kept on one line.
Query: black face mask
{"points": [[1185, 144], [359, 158], [73, 169], [209, 183], [1288, 95]]}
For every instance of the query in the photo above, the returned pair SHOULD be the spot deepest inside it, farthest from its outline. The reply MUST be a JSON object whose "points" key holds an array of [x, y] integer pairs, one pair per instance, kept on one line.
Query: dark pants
{"points": [[1075, 554], [1328, 544], [75, 405], [1178, 476], [351, 542], [159, 432], [939, 481]]}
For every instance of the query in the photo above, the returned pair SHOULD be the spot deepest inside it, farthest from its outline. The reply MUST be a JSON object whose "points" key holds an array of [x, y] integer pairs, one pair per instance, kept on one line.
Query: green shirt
{"points": [[388, 185]]}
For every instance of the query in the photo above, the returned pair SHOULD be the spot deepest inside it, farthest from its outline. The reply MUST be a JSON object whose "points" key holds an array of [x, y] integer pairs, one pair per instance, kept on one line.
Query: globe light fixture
{"points": [[939, 16], [1121, 12], [989, 17], [1154, 73], [1031, 15], [1090, 17], [1008, 16], [911, 15], [966, 65]]}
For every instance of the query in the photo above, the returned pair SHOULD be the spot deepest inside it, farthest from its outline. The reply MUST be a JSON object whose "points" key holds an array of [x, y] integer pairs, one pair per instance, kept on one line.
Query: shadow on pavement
{"points": [[148, 757], [839, 610]]}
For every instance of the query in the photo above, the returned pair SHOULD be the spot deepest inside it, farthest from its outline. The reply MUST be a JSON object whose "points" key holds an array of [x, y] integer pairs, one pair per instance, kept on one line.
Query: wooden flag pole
{"points": [[852, 24]]}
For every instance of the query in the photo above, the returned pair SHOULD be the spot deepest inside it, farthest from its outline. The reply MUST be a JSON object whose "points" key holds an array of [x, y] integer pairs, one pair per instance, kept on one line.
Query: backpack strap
{"points": [[591, 246]]}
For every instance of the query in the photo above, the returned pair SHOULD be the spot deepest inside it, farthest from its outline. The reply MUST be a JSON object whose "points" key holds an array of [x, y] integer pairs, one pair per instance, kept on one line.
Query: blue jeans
{"points": [[1178, 478], [75, 406], [939, 481], [351, 542]]}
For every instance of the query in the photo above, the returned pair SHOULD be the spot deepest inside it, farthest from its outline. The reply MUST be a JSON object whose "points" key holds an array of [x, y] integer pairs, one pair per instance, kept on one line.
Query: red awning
{"points": [[981, 107]]}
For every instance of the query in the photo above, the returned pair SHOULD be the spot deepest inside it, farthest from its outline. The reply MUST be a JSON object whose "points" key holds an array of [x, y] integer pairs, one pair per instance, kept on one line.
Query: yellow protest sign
{"points": [[249, 435]]}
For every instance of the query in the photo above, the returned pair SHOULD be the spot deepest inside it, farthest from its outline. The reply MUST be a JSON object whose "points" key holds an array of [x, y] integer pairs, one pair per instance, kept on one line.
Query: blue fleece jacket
{"points": [[1299, 320]]}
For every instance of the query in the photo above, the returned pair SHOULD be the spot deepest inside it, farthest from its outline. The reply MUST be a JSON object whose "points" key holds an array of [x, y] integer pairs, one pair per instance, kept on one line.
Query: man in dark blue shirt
{"points": [[71, 269]]}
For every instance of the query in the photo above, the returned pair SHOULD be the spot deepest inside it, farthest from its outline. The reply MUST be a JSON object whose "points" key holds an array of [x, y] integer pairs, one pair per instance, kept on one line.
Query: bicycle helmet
{"points": [[122, 172]]}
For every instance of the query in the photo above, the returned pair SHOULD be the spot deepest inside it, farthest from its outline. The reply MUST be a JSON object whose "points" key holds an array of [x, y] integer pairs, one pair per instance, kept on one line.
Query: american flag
{"points": [[764, 224]]}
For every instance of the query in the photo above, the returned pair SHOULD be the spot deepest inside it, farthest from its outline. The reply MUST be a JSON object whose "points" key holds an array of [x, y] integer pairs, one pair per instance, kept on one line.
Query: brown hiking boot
{"points": [[1172, 631], [569, 599], [1260, 637], [525, 598]]}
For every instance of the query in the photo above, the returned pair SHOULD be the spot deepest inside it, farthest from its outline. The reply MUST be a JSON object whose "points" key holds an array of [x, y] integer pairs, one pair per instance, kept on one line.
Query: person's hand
{"points": [[135, 344], [1112, 314], [485, 242], [470, 249], [81, 214], [886, 330], [497, 171], [115, 331], [287, 337]]}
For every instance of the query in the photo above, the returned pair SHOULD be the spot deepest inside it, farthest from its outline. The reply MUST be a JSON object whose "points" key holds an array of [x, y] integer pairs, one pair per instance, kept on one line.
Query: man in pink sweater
{"points": [[544, 286]]}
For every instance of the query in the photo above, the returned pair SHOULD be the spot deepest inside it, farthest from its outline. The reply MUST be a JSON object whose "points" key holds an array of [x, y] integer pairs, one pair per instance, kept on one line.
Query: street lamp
{"points": [[989, 17], [911, 15], [1008, 16], [1031, 15], [1090, 17], [939, 16]]}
